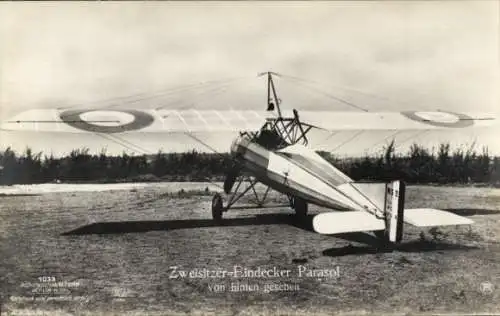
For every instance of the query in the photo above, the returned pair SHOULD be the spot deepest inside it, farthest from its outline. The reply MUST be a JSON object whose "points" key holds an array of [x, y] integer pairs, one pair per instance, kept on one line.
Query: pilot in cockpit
{"points": [[270, 139]]}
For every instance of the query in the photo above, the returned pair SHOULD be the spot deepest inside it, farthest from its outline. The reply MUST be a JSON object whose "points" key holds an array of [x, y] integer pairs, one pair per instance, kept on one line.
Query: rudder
{"points": [[394, 210]]}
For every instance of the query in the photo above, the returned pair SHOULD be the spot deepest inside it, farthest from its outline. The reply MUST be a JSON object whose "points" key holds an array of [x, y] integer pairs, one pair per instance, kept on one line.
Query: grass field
{"points": [[114, 252]]}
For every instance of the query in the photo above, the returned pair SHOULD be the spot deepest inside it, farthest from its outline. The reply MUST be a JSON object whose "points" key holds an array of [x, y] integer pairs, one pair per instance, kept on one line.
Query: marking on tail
{"points": [[394, 210]]}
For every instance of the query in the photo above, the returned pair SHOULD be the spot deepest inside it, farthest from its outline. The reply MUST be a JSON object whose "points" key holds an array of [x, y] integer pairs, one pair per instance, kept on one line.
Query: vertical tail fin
{"points": [[394, 210]]}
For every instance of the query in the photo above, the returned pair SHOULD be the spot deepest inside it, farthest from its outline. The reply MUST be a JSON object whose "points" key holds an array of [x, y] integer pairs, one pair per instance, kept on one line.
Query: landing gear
{"points": [[300, 207], [217, 207]]}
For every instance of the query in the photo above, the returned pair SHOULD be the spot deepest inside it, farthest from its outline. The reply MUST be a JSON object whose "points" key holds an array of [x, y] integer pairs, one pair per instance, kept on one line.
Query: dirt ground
{"points": [[144, 251]]}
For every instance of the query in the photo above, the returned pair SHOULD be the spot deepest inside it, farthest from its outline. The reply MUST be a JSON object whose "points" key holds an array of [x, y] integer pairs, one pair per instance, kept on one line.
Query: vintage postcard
{"points": [[249, 158]]}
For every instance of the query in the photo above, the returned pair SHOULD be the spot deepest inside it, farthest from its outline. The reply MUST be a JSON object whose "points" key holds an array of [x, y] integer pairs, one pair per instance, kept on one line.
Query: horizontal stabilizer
{"points": [[424, 217], [344, 222]]}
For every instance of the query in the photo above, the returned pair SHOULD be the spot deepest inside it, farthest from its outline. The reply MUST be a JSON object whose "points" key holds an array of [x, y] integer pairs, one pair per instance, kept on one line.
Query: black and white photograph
{"points": [[249, 158]]}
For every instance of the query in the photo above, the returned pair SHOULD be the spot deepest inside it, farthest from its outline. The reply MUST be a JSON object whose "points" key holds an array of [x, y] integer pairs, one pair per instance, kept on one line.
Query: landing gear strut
{"points": [[217, 207]]}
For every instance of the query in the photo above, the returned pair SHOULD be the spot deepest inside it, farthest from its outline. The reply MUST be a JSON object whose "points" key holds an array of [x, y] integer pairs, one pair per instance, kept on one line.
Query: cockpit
{"points": [[270, 139]]}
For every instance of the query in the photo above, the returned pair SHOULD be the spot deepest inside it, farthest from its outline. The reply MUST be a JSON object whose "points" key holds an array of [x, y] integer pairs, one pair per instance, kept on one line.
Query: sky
{"points": [[418, 55]]}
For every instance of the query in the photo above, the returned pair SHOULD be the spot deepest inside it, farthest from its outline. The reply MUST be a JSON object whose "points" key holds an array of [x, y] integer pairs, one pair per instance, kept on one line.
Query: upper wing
{"points": [[161, 121]]}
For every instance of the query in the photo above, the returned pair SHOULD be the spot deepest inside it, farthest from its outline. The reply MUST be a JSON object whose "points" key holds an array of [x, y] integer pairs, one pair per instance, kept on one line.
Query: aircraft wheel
{"points": [[300, 207], [217, 207]]}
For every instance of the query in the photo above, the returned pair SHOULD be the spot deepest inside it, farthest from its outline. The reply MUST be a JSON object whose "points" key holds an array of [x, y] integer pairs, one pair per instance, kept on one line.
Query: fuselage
{"points": [[298, 171]]}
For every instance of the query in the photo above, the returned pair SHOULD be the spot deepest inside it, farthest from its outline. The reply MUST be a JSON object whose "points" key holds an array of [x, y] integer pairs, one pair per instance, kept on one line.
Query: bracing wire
{"points": [[392, 135], [418, 133], [124, 143], [210, 92], [310, 81], [130, 146], [204, 144], [348, 140], [151, 95], [329, 95], [174, 91], [147, 151]]}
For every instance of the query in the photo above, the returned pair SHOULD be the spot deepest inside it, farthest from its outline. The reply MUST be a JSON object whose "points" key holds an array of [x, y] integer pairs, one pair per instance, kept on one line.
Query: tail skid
{"points": [[394, 217]]}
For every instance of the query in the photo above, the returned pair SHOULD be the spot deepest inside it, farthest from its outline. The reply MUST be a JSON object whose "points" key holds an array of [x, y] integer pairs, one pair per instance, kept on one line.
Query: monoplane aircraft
{"points": [[272, 149]]}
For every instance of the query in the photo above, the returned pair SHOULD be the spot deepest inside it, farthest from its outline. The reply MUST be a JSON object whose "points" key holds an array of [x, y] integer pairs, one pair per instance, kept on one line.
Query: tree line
{"points": [[418, 165]]}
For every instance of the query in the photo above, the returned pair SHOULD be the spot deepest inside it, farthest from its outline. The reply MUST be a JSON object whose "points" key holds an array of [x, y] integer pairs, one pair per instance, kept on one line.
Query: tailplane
{"points": [[388, 221]]}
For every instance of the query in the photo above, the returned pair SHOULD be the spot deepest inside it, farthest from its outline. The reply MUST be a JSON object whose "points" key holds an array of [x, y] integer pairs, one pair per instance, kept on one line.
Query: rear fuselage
{"points": [[297, 171]]}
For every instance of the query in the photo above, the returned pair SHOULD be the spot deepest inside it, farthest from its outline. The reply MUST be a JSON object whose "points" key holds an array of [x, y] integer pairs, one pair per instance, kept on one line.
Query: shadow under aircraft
{"points": [[472, 211], [125, 227], [373, 245]]}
